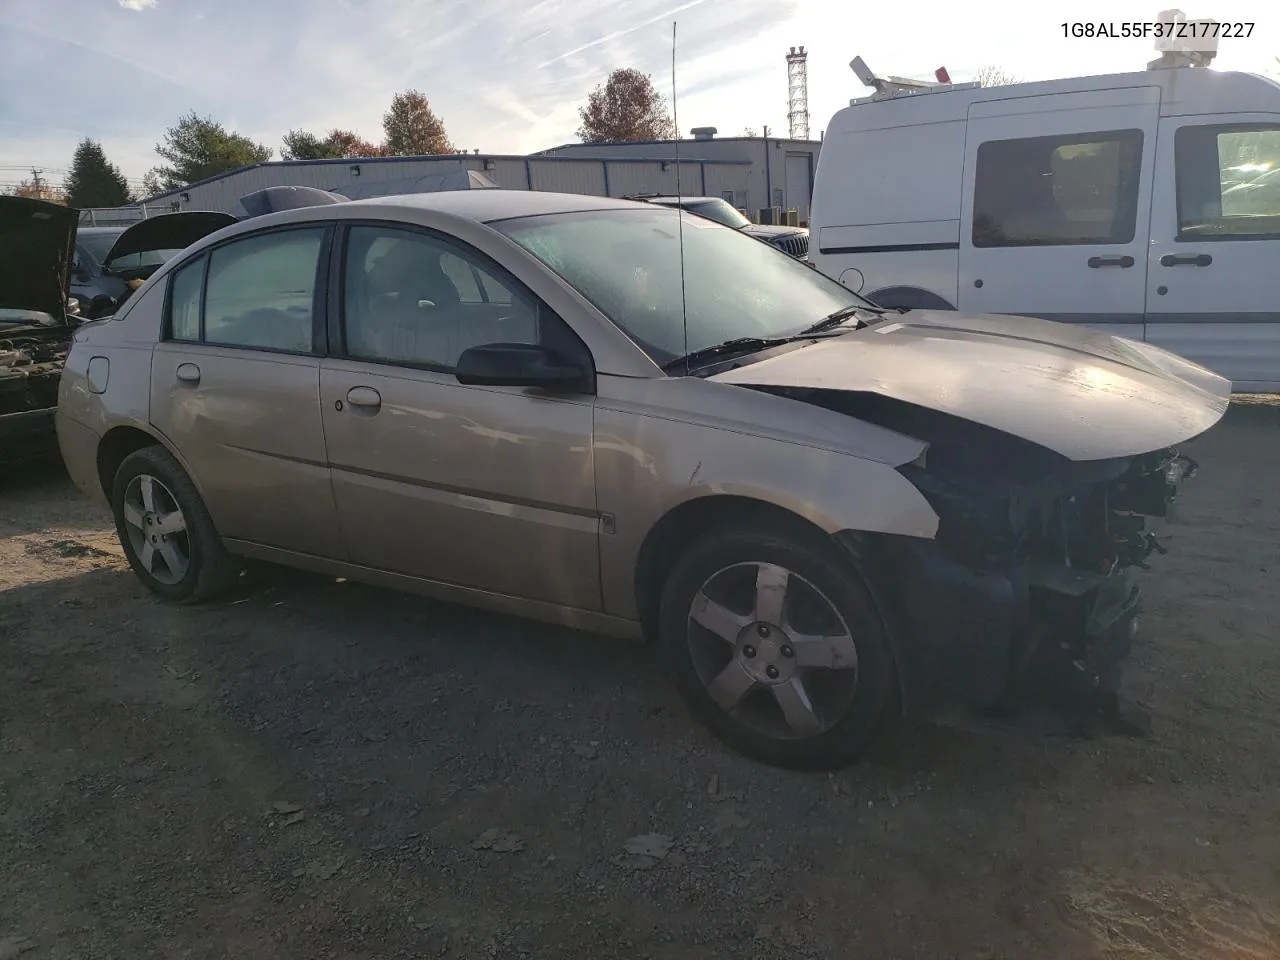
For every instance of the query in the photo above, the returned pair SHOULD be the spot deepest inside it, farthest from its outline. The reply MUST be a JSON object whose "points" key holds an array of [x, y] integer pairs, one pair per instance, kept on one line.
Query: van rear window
{"points": [[1051, 191]]}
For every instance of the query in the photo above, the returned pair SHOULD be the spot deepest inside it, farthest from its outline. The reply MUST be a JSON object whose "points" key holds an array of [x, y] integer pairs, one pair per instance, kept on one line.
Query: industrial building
{"points": [[752, 173], [770, 179], [773, 172]]}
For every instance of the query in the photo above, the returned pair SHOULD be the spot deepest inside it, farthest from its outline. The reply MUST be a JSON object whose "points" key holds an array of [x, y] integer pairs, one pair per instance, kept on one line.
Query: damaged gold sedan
{"points": [[621, 418]]}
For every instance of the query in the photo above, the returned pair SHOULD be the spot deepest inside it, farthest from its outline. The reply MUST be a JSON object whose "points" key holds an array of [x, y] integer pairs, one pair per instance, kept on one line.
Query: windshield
{"points": [[147, 258], [98, 242], [627, 263], [721, 211]]}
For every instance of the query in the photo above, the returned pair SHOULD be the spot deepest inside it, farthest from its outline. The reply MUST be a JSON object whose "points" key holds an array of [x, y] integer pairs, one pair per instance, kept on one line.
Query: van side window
{"points": [[1050, 191], [1228, 181]]}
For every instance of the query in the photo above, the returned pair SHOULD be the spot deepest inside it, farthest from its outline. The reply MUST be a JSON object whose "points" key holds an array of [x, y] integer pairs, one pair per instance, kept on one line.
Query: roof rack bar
{"points": [[888, 87]]}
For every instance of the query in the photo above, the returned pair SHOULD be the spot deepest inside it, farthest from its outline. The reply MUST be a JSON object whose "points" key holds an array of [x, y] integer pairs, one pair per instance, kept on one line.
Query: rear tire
{"points": [[165, 529], [796, 668]]}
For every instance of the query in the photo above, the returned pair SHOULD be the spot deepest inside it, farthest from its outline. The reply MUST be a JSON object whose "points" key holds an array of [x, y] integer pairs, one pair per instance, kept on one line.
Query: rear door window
{"points": [[1051, 191], [259, 293]]}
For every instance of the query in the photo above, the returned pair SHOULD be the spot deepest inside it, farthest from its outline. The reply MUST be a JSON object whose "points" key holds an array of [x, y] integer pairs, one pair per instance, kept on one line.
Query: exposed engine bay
{"points": [[31, 362], [1023, 591]]}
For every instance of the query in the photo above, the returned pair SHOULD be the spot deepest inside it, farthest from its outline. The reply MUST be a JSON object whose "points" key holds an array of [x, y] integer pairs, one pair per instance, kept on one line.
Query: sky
{"points": [[508, 76]]}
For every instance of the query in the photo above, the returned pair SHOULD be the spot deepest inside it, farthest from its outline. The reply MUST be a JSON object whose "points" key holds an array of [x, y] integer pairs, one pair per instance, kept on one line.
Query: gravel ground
{"points": [[318, 769]]}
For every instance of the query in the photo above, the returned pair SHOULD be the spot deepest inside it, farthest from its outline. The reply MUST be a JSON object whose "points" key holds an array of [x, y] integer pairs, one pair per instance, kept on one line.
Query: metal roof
{"points": [[432, 158], [682, 141]]}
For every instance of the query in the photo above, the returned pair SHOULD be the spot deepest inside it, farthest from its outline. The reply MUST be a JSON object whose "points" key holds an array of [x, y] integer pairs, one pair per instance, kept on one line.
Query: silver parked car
{"points": [[556, 406]]}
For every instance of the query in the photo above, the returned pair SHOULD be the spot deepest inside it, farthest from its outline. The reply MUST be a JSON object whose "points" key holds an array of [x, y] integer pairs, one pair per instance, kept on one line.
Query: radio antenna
{"points": [[675, 122]]}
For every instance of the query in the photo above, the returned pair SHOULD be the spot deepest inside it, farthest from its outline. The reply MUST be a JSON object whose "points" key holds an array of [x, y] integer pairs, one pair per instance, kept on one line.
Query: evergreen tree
{"points": [[94, 181]]}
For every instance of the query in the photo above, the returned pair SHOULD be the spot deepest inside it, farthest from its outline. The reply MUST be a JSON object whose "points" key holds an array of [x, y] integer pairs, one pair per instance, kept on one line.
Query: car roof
{"points": [[672, 198], [101, 231], [485, 206]]}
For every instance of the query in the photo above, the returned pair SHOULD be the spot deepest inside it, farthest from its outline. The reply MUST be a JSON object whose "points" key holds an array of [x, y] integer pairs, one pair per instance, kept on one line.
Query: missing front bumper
{"points": [[1028, 637]]}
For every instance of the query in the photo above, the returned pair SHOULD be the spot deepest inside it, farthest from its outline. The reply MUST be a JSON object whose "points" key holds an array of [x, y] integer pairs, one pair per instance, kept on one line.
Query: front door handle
{"points": [[1111, 261], [188, 373], [364, 400], [1186, 260]]}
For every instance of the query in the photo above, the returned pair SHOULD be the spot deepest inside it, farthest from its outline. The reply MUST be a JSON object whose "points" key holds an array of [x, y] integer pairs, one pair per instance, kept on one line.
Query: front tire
{"points": [[778, 648], [165, 529]]}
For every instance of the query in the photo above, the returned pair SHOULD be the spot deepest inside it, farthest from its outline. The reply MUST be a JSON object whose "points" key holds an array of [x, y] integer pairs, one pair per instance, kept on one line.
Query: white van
{"points": [[1145, 204]]}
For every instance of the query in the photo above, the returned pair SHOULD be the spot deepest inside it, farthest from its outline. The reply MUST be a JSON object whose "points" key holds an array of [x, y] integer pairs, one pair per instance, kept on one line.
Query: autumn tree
{"points": [[411, 129], [94, 181], [335, 145], [992, 76], [626, 107], [199, 147], [37, 187]]}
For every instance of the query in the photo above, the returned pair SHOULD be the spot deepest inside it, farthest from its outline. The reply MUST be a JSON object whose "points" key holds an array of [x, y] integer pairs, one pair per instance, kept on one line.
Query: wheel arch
{"points": [[912, 298], [686, 522], [126, 438]]}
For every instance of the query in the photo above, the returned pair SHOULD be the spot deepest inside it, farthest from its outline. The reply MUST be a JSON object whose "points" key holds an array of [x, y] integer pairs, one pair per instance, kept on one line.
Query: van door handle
{"points": [[1186, 260], [188, 373], [365, 400], [1111, 261]]}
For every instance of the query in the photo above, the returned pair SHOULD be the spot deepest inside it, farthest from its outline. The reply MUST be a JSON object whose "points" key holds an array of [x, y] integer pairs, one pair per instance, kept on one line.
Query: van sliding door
{"points": [[1055, 217]]}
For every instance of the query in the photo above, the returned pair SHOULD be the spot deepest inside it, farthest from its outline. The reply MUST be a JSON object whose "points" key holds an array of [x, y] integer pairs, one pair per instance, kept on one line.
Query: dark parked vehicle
{"points": [[36, 239], [792, 240], [110, 262], [54, 275]]}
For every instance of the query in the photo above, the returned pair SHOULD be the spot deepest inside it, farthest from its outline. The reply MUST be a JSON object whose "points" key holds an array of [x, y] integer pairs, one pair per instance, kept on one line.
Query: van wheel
{"points": [[165, 530], [778, 648]]}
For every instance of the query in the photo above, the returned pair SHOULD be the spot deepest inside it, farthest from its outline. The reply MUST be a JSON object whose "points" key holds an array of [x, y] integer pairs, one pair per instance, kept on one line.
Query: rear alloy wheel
{"points": [[165, 529], [778, 648]]}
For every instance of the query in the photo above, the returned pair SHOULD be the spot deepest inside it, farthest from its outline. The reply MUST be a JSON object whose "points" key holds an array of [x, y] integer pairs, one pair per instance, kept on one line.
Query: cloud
{"points": [[505, 76]]}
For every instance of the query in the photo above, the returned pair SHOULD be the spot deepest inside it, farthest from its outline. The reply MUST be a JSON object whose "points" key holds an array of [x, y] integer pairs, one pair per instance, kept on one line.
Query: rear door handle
{"points": [[188, 373], [1111, 261], [1186, 260], [364, 400]]}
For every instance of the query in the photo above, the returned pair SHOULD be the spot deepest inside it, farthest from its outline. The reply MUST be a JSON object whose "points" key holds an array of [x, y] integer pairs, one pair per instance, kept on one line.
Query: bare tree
{"points": [[993, 76]]}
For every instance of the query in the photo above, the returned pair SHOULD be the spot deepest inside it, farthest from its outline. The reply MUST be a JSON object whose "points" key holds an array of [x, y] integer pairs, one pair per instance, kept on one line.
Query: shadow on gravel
{"points": [[314, 769]]}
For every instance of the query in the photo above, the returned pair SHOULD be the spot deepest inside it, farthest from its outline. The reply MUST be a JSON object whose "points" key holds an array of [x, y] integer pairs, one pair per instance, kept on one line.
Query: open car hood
{"points": [[1082, 394], [37, 239], [276, 199], [771, 231], [169, 231]]}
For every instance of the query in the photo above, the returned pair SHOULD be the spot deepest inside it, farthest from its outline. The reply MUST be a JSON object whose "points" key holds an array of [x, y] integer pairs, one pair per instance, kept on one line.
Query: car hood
{"points": [[169, 231], [766, 230], [1082, 394], [37, 239]]}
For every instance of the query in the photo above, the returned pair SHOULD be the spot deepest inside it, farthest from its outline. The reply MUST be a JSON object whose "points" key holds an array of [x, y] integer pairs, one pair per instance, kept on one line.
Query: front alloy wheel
{"points": [[772, 650], [778, 647]]}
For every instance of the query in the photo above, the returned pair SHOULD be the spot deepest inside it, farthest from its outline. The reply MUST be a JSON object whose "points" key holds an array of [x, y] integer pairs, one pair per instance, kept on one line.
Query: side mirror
{"points": [[519, 365]]}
